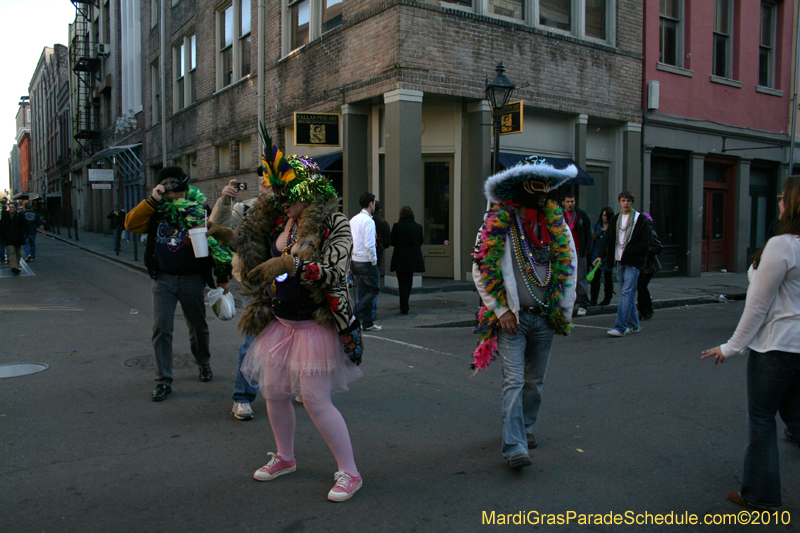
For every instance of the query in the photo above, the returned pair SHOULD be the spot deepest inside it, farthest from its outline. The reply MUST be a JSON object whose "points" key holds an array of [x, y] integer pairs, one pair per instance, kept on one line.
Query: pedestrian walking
{"points": [[14, 229], [524, 269], [581, 228], [652, 265], [407, 238], [174, 208], [383, 240], [599, 231], [117, 218], [365, 261], [225, 219], [300, 312], [769, 327], [626, 244], [35, 226]]}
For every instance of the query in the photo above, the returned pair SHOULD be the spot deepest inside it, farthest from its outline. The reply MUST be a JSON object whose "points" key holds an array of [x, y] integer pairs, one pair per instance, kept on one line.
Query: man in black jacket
{"points": [[627, 242], [14, 229], [581, 228], [178, 276], [117, 218]]}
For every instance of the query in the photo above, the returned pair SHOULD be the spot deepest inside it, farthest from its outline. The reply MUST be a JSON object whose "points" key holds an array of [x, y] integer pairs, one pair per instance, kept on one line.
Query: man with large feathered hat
{"points": [[524, 269]]}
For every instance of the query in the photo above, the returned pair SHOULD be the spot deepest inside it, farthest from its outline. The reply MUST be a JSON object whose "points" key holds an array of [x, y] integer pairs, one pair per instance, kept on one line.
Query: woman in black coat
{"points": [[407, 257]]}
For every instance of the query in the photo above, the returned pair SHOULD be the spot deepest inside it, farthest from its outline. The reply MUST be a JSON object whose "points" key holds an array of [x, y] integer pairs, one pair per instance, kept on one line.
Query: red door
{"points": [[717, 217]]}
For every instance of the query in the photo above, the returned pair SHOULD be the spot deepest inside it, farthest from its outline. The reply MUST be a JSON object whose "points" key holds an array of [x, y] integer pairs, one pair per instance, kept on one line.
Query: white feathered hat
{"points": [[499, 188]]}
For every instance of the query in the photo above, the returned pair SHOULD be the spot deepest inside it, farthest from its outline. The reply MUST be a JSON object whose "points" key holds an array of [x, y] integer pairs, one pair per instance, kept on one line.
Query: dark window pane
{"points": [[717, 216], [227, 66], [721, 16], [437, 202], [766, 24], [764, 67], [508, 8], [300, 17], [245, 53], [331, 14], [670, 8], [556, 14], [181, 94], [721, 56], [715, 173], [226, 27], [669, 43], [596, 19], [192, 90]]}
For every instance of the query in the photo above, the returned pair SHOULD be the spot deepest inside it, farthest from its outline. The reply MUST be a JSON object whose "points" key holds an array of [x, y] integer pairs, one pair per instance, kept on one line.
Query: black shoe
{"points": [[205, 372], [605, 302], [647, 315], [519, 461], [15, 271], [160, 394], [404, 312], [532, 442]]}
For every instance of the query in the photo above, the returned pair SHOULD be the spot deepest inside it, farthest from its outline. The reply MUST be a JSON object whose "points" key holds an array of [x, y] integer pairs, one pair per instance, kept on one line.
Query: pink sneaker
{"points": [[346, 486], [274, 468]]}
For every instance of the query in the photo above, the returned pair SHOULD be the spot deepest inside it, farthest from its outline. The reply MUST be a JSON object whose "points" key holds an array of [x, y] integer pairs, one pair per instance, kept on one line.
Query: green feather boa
{"points": [[190, 212]]}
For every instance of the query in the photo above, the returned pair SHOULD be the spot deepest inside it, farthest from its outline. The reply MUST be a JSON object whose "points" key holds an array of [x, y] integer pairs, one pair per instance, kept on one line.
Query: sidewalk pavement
{"points": [[447, 303]]}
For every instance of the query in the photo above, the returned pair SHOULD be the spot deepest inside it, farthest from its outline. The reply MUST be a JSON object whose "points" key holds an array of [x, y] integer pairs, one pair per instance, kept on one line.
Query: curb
{"points": [[135, 266]]}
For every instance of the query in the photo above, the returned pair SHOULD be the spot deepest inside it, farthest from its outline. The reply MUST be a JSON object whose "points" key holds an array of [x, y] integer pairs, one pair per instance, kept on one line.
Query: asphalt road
{"points": [[638, 424]]}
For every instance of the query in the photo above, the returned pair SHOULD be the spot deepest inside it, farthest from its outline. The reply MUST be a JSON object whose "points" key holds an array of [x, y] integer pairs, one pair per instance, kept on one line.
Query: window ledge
{"points": [[232, 85], [675, 70], [768, 90], [726, 81]]}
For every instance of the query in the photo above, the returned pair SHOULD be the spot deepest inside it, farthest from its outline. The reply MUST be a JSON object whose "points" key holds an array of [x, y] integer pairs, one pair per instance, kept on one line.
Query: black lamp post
{"points": [[498, 93]]}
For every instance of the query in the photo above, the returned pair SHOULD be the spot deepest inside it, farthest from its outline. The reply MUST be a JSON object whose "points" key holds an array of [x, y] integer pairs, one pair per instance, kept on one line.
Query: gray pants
{"points": [[168, 290]]}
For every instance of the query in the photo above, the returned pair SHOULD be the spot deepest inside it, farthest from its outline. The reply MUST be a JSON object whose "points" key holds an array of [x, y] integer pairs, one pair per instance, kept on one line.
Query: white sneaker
{"points": [[581, 311], [616, 333], [633, 330], [242, 411], [373, 327]]}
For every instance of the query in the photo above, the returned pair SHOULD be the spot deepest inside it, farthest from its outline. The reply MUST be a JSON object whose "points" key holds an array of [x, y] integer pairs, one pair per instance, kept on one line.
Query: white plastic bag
{"points": [[224, 305]]}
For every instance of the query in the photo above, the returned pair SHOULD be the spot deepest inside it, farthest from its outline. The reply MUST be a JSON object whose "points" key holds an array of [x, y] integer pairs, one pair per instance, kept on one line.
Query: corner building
{"points": [[406, 79]]}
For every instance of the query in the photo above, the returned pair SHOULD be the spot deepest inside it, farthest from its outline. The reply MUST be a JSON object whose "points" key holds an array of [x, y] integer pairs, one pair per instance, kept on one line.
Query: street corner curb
{"points": [[135, 266]]}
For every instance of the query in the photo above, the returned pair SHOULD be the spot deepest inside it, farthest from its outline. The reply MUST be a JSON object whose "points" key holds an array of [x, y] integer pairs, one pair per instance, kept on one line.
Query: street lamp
{"points": [[498, 93]]}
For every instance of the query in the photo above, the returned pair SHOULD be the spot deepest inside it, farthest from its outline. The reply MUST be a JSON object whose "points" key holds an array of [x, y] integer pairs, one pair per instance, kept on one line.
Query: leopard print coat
{"points": [[325, 245]]}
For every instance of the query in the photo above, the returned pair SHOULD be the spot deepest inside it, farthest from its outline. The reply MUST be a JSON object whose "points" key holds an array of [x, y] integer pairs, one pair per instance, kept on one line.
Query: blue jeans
{"points": [[30, 245], [773, 386], [242, 390], [368, 279], [524, 358], [627, 315]]}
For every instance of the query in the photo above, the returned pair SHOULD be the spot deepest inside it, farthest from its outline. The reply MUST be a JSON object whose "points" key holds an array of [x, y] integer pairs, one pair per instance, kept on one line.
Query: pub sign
{"points": [[511, 119], [316, 129]]}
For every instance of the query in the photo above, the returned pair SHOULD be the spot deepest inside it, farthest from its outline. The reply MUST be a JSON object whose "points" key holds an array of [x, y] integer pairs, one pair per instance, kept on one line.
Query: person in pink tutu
{"points": [[294, 254]]}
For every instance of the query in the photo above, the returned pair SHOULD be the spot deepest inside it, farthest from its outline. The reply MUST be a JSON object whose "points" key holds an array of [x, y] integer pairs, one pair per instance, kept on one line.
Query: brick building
{"points": [[405, 79], [106, 102], [46, 91], [20, 175], [717, 89]]}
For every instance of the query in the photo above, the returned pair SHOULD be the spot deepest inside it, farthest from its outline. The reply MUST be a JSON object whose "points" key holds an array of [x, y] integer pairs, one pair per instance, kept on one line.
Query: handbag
{"points": [[352, 342]]}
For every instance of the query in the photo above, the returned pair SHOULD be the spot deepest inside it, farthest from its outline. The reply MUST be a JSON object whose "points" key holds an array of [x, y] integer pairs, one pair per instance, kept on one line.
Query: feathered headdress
{"points": [[499, 188], [293, 178]]}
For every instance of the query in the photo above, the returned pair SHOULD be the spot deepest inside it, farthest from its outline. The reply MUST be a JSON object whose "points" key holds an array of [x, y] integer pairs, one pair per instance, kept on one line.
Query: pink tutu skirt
{"points": [[298, 357]]}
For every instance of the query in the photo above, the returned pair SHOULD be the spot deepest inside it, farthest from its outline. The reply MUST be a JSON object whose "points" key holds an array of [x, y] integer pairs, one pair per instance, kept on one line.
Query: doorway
{"points": [[717, 216], [437, 220]]}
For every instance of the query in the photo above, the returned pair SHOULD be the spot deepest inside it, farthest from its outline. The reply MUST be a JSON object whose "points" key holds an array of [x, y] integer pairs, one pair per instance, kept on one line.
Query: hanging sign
{"points": [[101, 174], [101, 186], [511, 120], [316, 129]]}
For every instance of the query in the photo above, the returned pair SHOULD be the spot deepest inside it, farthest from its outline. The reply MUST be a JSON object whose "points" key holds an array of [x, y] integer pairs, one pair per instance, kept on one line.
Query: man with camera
{"points": [[178, 276]]}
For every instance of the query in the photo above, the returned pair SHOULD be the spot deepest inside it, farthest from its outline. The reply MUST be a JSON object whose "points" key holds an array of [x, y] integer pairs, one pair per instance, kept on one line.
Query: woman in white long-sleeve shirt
{"points": [[770, 328]]}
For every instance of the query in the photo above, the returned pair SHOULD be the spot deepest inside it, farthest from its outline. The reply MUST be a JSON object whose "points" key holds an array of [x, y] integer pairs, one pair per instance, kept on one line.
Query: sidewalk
{"points": [[448, 303]]}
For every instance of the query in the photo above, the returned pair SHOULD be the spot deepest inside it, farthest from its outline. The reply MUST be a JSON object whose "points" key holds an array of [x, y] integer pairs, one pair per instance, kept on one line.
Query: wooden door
{"points": [[717, 217]]}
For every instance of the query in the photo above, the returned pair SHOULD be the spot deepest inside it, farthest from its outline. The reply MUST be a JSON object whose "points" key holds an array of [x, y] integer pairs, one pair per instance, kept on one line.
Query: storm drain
{"points": [[148, 362], [13, 370]]}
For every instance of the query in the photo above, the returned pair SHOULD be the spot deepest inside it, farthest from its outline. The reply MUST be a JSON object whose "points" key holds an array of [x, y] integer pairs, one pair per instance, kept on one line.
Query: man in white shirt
{"points": [[365, 261]]}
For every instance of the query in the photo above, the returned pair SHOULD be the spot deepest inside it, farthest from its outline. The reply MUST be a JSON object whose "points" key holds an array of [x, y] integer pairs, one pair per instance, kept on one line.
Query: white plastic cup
{"points": [[199, 241]]}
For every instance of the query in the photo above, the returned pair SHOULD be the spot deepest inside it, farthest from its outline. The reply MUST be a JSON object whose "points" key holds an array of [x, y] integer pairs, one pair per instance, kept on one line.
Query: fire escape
{"points": [[85, 64]]}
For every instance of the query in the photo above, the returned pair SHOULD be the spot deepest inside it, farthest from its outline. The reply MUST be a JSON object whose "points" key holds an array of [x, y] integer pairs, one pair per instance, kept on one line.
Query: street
{"points": [[637, 424]]}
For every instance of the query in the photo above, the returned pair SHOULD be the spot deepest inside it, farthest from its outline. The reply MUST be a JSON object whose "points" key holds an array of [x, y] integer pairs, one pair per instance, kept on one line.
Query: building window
{"points": [[233, 42], [596, 19], [224, 158], [513, 9], [670, 33], [309, 19], [723, 27], [245, 153], [556, 14], [185, 63], [155, 12], [155, 86], [766, 49]]}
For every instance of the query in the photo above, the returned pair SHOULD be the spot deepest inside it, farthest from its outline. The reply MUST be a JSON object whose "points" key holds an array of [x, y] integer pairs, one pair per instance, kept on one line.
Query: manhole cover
{"points": [[438, 304], [148, 362], [13, 370], [69, 298]]}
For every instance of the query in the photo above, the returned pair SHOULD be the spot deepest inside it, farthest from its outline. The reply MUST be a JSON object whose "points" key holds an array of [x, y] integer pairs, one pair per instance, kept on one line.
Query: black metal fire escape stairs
{"points": [[85, 63]]}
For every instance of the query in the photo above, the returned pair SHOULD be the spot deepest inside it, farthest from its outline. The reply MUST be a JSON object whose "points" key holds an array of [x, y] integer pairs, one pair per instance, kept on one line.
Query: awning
{"points": [[127, 158], [509, 160], [325, 161]]}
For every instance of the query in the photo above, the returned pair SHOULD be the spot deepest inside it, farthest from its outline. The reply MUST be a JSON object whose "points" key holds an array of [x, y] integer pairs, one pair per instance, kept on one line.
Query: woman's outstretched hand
{"points": [[716, 353]]}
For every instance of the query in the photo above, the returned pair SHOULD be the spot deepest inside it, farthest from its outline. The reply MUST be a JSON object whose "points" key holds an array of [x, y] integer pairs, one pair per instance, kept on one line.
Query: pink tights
{"points": [[328, 421]]}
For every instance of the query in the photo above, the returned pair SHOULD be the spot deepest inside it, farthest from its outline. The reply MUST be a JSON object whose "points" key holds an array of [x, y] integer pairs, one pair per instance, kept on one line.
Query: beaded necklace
{"points": [[528, 264], [291, 239]]}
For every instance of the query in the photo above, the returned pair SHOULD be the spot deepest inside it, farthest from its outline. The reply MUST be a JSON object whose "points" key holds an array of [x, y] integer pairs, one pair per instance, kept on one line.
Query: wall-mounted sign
{"points": [[101, 186], [511, 120], [316, 129], [101, 174]]}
